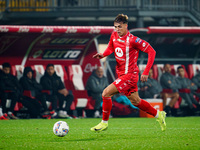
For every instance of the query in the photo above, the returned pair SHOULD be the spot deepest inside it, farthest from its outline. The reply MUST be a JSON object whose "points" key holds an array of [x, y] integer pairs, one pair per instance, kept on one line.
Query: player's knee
{"points": [[177, 95]]}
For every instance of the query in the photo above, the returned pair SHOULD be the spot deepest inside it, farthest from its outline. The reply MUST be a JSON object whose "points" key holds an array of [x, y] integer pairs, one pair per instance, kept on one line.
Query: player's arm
{"points": [[108, 50], [147, 48]]}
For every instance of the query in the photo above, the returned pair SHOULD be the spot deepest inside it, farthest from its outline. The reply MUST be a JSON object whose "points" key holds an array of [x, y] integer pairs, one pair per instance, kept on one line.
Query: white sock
{"points": [[104, 121], [157, 115]]}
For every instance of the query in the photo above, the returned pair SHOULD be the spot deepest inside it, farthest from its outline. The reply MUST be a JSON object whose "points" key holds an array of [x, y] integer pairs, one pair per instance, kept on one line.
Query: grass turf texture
{"points": [[122, 133]]}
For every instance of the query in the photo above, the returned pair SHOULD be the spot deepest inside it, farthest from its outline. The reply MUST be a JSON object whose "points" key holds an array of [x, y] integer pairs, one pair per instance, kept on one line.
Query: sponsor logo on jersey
{"points": [[137, 40], [120, 40], [118, 52], [61, 54]]}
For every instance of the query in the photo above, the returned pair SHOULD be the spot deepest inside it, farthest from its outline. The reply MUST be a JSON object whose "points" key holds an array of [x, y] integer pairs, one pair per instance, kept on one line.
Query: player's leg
{"points": [[145, 106], [107, 102], [142, 104], [106, 109]]}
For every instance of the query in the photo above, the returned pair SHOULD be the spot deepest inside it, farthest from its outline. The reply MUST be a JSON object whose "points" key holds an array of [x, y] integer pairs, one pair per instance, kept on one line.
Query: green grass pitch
{"points": [[122, 133]]}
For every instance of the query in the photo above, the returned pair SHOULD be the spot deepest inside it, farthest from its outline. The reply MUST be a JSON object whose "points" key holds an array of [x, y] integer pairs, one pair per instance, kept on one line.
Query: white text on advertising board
{"points": [[61, 54]]}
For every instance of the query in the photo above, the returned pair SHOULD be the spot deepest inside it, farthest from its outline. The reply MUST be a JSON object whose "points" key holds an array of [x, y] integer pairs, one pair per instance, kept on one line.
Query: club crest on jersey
{"points": [[120, 40], [143, 44], [118, 52]]}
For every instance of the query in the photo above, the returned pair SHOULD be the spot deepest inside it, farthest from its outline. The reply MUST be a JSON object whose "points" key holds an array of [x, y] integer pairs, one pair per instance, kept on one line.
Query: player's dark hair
{"points": [[50, 65], [6, 65], [180, 67], [121, 18]]}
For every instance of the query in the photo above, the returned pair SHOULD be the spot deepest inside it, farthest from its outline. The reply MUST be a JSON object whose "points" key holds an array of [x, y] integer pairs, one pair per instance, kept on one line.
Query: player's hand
{"points": [[98, 55], [144, 78], [169, 82], [63, 92]]}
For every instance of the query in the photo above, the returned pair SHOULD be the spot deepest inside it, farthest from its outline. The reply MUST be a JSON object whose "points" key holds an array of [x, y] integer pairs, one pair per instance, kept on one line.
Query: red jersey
{"points": [[126, 51]]}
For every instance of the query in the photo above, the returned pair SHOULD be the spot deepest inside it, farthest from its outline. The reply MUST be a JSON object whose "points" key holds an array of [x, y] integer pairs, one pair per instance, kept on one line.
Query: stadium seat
{"points": [[82, 100], [157, 71], [59, 71], [141, 68], [39, 72], [18, 71], [193, 69], [29, 93], [76, 76]]}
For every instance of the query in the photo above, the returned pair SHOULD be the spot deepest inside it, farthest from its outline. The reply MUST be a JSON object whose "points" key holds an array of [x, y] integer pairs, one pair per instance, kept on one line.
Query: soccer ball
{"points": [[60, 128]]}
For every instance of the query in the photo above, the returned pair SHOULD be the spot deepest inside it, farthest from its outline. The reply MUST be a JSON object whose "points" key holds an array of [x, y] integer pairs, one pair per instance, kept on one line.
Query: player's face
{"points": [[6, 70], [50, 70], [99, 72], [30, 75], [120, 28], [181, 72], [167, 68]]}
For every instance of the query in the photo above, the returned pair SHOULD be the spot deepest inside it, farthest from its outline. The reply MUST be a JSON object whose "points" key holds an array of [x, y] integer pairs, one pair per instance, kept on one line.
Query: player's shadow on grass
{"points": [[95, 137], [99, 137]]}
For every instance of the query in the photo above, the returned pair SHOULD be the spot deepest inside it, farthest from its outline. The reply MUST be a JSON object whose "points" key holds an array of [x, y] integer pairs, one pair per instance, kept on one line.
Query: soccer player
{"points": [[126, 49]]}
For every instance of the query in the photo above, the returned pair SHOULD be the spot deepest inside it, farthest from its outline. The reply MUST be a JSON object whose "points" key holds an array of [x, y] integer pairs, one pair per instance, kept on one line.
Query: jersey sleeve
{"points": [[140, 44], [110, 48], [147, 48]]}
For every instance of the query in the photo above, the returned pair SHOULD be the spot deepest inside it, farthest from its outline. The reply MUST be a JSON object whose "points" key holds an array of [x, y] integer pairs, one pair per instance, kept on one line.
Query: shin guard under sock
{"points": [[145, 106], [107, 106]]}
